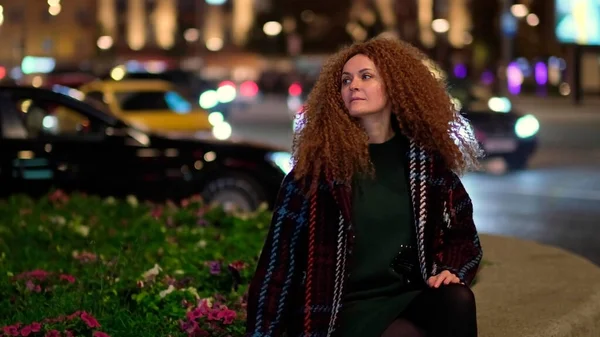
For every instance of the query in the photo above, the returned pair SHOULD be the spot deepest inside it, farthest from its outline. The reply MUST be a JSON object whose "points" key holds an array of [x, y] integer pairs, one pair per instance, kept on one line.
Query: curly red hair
{"points": [[332, 144]]}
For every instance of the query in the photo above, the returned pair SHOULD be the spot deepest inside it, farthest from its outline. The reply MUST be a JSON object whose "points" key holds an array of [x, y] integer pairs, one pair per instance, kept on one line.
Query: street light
{"points": [[533, 20], [440, 25], [214, 44], [272, 28], [191, 35], [54, 10], [519, 10], [105, 42]]}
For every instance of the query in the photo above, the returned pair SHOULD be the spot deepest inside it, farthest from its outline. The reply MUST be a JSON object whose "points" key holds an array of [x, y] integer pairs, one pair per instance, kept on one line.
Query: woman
{"points": [[373, 232]]}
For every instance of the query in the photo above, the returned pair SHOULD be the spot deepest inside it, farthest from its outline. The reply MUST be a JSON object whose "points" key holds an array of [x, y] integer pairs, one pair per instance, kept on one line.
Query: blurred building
{"points": [[64, 30]]}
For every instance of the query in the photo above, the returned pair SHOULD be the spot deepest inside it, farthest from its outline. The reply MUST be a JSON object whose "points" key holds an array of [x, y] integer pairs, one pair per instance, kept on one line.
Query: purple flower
{"points": [[215, 267], [202, 222]]}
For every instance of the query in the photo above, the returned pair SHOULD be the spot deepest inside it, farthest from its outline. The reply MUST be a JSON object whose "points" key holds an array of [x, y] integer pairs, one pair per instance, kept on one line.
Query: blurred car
{"points": [[150, 105], [190, 85], [502, 131], [89, 150]]}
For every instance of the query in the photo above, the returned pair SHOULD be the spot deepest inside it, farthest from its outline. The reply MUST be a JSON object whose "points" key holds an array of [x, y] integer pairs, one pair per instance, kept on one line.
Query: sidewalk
{"points": [[534, 290]]}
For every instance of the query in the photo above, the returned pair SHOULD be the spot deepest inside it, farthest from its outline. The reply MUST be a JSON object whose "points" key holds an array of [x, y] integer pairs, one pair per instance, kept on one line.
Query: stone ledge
{"points": [[527, 289]]}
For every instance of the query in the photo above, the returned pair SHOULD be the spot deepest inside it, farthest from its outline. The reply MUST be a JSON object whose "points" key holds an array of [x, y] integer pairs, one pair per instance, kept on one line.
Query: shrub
{"points": [[83, 266]]}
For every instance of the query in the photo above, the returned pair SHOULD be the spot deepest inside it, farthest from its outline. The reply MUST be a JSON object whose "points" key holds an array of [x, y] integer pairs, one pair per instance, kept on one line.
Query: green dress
{"points": [[383, 221]]}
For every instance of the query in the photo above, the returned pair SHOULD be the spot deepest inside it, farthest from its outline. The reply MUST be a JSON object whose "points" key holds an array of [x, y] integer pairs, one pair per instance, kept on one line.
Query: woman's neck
{"points": [[378, 128]]}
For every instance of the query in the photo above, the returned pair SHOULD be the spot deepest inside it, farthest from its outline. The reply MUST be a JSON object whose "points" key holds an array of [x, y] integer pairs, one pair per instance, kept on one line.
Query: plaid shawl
{"points": [[299, 284]]}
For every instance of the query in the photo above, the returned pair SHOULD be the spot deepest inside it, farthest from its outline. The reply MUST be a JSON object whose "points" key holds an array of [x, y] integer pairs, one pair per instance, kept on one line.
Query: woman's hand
{"points": [[445, 277]]}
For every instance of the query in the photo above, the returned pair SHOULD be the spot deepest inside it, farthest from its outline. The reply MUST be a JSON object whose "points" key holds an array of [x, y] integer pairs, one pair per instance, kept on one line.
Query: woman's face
{"points": [[362, 88]]}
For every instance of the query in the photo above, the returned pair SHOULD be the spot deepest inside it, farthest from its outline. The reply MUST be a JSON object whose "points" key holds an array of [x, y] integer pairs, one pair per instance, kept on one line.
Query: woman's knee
{"points": [[457, 296]]}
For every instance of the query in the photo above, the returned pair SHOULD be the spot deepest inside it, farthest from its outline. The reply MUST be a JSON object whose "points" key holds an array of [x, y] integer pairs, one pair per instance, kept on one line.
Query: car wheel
{"points": [[240, 191]]}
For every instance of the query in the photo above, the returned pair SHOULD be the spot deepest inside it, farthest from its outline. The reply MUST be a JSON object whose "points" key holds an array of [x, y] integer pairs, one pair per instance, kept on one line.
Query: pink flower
{"points": [[68, 333], [26, 331], [11, 330], [58, 196], [204, 307], [75, 314], [68, 278], [85, 257], [194, 314], [89, 320], [39, 274], [227, 316], [157, 212], [189, 326], [238, 265], [100, 334], [33, 287], [29, 285], [35, 327], [199, 333], [34, 274], [53, 333], [213, 315]]}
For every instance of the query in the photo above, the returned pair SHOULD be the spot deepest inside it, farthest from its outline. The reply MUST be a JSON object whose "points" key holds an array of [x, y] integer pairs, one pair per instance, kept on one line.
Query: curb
{"points": [[534, 290]]}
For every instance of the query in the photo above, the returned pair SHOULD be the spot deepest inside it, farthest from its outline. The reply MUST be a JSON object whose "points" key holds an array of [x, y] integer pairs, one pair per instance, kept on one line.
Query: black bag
{"points": [[406, 265]]}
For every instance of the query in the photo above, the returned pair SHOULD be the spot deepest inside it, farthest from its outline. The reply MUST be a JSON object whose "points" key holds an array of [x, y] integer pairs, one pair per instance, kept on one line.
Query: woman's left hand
{"points": [[445, 277]]}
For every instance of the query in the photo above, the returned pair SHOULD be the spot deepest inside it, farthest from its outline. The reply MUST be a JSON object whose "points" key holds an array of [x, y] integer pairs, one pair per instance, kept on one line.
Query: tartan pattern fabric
{"points": [[298, 286]]}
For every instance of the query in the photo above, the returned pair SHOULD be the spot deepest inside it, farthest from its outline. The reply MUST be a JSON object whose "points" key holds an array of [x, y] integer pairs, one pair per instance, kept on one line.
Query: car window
{"points": [[48, 118], [98, 101], [153, 101]]}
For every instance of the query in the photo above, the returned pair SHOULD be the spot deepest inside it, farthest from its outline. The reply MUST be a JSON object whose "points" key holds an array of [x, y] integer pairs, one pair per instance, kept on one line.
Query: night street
{"points": [[556, 201]]}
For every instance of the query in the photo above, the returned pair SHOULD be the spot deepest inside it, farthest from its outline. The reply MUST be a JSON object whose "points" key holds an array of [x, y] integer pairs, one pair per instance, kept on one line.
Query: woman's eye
{"points": [[345, 81], [367, 76]]}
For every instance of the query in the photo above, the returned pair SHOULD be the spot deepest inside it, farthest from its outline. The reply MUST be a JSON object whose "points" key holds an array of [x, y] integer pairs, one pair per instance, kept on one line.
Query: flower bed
{"points": [[82, 266]]}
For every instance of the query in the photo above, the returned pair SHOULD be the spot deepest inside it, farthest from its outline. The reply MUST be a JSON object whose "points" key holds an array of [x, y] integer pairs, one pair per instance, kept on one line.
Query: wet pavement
{"points": [[556, 201]]}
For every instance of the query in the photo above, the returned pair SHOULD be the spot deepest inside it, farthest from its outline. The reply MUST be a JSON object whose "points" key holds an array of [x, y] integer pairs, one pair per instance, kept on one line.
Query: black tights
{"points": [[447, 311]]}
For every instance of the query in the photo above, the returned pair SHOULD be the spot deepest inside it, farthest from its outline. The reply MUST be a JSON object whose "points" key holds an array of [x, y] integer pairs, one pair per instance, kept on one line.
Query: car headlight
{"points": [[283, 160], [527, 126], [215, 118], [208, 99], [222, 131], [499, 104]]}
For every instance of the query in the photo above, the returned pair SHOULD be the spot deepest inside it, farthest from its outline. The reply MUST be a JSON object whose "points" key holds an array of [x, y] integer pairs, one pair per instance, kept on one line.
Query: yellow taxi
{"points": [[152, 105]]}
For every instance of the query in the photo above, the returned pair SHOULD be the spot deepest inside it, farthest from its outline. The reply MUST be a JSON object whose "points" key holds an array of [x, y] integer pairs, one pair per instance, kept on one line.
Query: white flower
{"points": [[179, 272], [152, 273], [202, 243], [192, 291], [110, 200], [59, 220], [167, 291], [83, 230], [132, 200]]}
